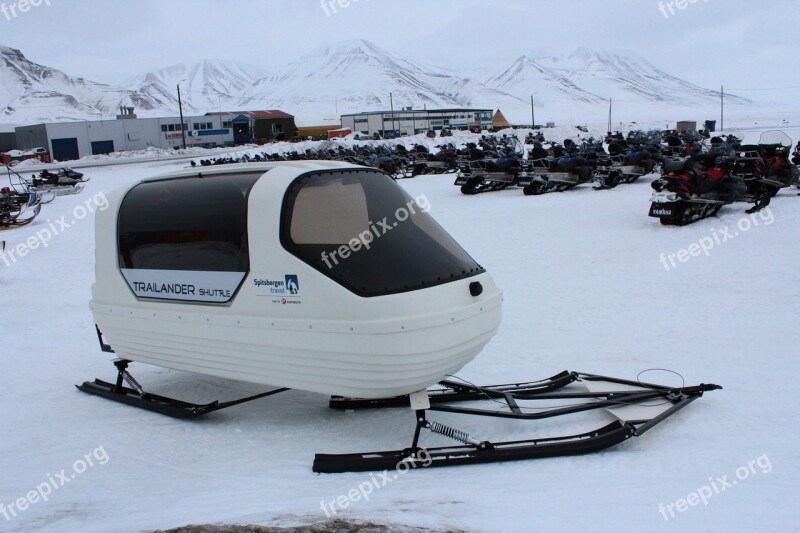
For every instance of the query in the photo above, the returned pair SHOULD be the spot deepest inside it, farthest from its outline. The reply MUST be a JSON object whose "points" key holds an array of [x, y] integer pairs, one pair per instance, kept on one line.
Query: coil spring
{"points": [[453, 433]]}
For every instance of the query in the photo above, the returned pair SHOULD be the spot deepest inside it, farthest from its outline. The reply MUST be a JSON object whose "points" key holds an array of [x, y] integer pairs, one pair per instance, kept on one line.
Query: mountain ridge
{"points": [[346, 76]]}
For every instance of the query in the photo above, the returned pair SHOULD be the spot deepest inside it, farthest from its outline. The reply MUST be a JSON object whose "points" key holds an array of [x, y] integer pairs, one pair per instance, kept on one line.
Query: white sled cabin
{"points": [[319, 276]]}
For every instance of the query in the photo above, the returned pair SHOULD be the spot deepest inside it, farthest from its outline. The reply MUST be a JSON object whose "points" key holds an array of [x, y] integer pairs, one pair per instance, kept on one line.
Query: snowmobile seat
{"points": [[675, 164], [537, 152], [705, 160], [616, 148]]}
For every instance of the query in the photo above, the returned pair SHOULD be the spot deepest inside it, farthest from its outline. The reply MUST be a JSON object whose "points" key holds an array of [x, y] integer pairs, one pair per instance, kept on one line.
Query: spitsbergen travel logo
{"points": [[288, 286]]}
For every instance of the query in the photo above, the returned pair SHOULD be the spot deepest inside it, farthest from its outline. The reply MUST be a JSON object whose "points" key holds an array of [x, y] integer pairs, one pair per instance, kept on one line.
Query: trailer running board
{"points": [[637, 406]]}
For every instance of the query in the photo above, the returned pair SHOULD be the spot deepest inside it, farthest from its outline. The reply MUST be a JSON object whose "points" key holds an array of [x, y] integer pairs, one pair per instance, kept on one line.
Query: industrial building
{"points": [[8, 138], [409, 121], [73, 140], [8, 141]]}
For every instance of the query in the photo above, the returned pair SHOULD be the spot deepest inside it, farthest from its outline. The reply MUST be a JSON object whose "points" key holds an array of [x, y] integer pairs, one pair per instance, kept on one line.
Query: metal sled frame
{"points": [[624, 393], [473, 451]]}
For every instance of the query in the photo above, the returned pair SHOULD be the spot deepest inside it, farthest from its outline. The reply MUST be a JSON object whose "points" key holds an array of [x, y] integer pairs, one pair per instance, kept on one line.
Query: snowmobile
{"points": [[421, 161], [371, 307], [765, 168], [65, 181], [681, 144], [446, 159], [390, 164], [725, 146], [694, 188], [17, 209], [557, 169], [532, 137], [494, 174], [622, 165]]}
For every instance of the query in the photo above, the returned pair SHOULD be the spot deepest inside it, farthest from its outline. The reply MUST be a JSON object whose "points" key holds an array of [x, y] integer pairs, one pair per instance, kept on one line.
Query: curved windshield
{"points": [[363, 230], [775, 137]]}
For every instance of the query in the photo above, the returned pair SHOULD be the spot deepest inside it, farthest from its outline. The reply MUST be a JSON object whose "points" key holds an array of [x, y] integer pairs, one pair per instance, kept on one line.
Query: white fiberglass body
{"points": [[317, 276]]}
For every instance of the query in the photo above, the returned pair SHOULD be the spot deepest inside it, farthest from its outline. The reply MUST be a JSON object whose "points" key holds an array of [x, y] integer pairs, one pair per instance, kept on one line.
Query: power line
{"points": [[767, 88]]}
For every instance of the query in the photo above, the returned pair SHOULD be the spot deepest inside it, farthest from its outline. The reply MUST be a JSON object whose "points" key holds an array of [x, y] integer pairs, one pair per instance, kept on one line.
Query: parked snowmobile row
{"points": [[182, 284], [698, 176], [697, 186], [554, 167], [397, 161]]}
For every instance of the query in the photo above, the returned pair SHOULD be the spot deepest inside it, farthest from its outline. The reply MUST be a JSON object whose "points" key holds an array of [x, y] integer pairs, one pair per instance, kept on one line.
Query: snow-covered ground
{"points": [[585, 289]]}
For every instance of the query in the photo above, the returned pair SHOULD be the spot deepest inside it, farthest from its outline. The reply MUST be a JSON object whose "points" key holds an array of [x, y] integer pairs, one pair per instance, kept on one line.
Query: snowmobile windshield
{"points": [[774, 137], [363, 230]]}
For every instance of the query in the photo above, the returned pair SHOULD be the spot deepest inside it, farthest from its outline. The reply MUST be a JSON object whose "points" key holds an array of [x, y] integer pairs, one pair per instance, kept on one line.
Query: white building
{"points": [[73, 140], [411, 121]]}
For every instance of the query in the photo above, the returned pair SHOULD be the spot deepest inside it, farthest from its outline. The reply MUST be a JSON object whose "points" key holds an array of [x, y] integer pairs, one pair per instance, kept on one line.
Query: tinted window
{"points": [[363, 230], [195, 223]]}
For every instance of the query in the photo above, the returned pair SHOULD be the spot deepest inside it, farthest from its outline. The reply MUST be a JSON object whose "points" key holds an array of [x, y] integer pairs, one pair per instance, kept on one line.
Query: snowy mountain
{"points": [[525, 76], [352, 76], [205, 86], [30, 92], [580, 83], [357, 75], [629, 77]]}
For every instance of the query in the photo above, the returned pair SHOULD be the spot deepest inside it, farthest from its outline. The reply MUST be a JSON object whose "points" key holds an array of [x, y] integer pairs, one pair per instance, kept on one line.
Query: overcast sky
{"points": [[740, 43]]}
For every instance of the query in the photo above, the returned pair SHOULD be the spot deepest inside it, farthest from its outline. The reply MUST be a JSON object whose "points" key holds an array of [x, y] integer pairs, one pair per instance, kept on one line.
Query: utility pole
{"points": [[391, 105], [533, 116], [180, 107], [721, 108], [609, 116], [221, 135]]}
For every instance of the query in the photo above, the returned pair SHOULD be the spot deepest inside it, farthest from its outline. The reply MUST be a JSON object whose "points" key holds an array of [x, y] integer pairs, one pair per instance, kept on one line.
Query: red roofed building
{"points": [[258, 126]]}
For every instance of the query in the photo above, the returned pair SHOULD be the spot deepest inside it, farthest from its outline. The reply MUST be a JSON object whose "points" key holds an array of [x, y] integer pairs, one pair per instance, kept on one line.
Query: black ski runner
{"points": [[137, 397]]}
